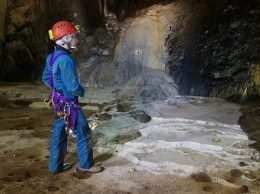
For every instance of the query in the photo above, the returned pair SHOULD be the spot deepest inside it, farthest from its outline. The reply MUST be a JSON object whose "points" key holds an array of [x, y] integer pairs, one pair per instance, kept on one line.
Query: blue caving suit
{"points": [[65, 81]]}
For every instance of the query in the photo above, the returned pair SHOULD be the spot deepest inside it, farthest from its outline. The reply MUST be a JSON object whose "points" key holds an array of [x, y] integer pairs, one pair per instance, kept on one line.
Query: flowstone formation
{"points": [[203, 45]]}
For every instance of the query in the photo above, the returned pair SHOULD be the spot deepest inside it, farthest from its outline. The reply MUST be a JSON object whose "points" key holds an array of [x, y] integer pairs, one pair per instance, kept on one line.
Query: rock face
{"points": [[138, 58], [150, 85], [23, 32], [3, 6], [140, 45], [204, 58], [201, 177], [127, 8], [22, 21], [96, 68], [214, 51], [250, 120], [207, 47]]}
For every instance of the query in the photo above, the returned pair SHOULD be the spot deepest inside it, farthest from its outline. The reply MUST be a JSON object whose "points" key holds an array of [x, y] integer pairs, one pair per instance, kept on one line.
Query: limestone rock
{"points": [[201, 177], [90, 109], [150, 85], [124, 105], [141, 116], [20, 59], [205, 59], [140, 45], [104, 116], [242, 164], [23, 15], [235, 173], [14, 123], [38, 105], [243, 189], [216, 139], [125, 137], [3, 7]]}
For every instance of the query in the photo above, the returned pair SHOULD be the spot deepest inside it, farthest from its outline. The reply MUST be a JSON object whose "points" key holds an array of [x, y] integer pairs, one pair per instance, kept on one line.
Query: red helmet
{"points": [[62, 28]]}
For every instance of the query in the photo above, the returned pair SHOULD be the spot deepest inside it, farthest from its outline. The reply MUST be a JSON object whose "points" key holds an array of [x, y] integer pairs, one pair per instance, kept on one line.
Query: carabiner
{"points": [[67, 109]]}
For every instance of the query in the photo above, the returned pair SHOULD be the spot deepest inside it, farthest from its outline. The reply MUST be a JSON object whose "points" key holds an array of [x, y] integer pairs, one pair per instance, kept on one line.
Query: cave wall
{"points": [[216, 53], [212, 44], [23, 32], [126, 8], [3, 7]]}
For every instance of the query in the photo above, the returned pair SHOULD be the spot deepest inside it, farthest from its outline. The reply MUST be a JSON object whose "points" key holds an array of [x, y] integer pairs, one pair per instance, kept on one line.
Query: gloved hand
{"points": [[60, 114]]}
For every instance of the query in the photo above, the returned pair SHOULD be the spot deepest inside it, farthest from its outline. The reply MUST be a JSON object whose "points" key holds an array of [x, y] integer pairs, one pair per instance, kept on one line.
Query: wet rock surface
{"points": [[201, 177], [212, 50], [178, 37], [150, 85], [90, 109], [124, 105], [23, 33], [20, 56], [142, 118], [250, 120], [235, 173], [136, 155], [96, 65]]}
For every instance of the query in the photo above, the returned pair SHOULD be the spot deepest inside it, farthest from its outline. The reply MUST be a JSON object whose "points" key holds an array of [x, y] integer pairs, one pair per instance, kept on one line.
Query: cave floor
{"points": [[191, 145]]}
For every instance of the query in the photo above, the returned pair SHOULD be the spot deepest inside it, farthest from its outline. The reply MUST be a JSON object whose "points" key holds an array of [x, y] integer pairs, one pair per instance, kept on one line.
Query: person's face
{"points": [[74, 41]]}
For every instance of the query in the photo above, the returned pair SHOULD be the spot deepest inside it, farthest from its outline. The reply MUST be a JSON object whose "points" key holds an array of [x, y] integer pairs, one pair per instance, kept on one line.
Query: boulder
{"points": [[124, 105], [201, 177], [90, 109], [141, 116], [150, 85], [104, 116], [236, 173], [38, 105]]}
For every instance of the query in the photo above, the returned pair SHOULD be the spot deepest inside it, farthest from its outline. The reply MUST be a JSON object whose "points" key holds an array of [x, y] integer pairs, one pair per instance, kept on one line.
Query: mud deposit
{"points": [[24, 154]]}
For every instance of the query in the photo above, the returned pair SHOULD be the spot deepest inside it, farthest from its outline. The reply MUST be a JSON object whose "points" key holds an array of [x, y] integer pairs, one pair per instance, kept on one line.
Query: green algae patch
{"points": [[116, 131]]}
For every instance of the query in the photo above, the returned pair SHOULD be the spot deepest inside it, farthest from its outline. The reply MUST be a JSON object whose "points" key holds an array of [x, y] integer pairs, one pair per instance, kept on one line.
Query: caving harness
{"points": [[63, 107]]}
